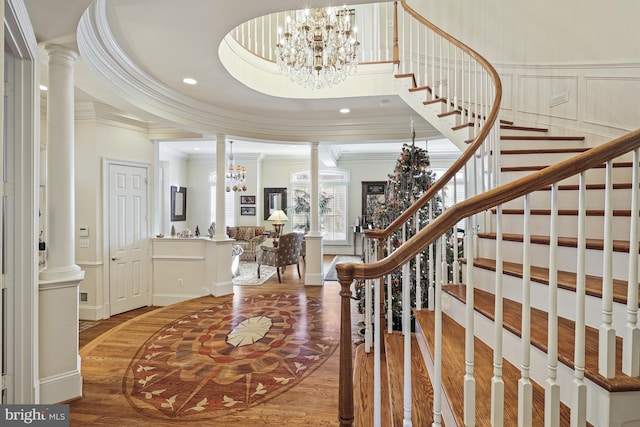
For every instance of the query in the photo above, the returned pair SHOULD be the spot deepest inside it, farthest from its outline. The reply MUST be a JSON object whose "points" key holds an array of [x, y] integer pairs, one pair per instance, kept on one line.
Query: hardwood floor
{"points": [[108, 348]]}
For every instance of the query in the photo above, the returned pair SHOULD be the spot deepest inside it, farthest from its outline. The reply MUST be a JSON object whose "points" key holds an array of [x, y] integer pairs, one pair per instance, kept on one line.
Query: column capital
{"points": [[61, 53]]}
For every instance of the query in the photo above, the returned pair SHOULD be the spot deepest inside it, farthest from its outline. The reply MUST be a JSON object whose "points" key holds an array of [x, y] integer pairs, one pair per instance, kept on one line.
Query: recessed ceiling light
{"points": [[43, 87], [344, 110], [190, 81]]}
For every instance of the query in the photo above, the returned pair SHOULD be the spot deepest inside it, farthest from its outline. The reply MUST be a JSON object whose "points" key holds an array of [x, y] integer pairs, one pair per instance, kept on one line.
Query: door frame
{"points": [[23, 134], [106, 223]]}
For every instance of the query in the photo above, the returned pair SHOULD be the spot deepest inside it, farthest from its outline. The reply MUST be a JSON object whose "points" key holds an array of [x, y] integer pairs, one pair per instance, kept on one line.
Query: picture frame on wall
{"points": [[247, 200], [248, 211]]}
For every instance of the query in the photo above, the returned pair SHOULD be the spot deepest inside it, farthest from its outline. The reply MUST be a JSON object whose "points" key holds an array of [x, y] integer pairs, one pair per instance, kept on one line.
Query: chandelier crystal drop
{"points": [[236, 175], [318, 47]]}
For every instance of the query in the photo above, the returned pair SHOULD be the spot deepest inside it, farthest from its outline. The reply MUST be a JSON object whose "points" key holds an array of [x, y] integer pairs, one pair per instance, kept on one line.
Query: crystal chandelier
{"points": [[318, 47], [235, 176]]}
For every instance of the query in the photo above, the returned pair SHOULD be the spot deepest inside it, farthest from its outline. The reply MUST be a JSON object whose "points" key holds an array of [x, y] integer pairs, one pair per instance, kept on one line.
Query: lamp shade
{"points": [[278, 216]]}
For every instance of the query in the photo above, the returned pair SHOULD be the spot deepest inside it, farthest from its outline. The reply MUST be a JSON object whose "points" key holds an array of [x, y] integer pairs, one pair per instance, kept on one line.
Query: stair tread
{"points": [[484, 303], [540, 167], [566, 280], [571, 242], [523, 128], [565, 212], [363, 390], [541, 138], [543, 151], [453, 372], [421, 388]]}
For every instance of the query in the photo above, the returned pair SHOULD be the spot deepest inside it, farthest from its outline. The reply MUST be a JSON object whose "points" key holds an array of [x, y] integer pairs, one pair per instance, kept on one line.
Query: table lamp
{"points": [[278, 217]]}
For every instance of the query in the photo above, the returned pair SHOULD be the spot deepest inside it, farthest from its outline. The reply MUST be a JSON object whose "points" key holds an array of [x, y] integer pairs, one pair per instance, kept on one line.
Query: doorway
{"points": [[128, 237]]}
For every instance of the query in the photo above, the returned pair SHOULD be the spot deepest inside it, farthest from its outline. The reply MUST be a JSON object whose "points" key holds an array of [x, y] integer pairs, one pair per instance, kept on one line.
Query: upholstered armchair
{"points": [[287, 253], [249, 238]]}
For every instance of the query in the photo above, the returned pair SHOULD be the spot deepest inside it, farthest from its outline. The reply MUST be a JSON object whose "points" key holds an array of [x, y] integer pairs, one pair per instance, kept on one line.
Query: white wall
{"points": [[541, 32]]}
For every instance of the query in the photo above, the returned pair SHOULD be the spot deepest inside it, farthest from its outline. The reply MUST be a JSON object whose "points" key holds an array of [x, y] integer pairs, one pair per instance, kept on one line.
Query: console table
{"points": [[357, 229]]}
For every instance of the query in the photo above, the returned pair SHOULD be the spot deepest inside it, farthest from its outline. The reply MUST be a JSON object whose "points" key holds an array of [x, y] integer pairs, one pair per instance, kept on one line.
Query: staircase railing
{"points": [[549, 176]]}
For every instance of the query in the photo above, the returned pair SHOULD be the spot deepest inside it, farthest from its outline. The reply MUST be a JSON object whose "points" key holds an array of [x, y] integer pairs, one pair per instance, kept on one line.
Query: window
{"points": [[333, 188], [229, 203]]}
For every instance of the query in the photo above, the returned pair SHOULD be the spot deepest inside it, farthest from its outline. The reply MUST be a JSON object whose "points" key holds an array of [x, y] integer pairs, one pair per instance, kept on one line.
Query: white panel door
{"points": [[128, 238]]}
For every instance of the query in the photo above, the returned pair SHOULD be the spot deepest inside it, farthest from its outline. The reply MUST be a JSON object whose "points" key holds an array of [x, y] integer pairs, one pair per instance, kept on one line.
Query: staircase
{"points": [[608, 400], [544, 328]]}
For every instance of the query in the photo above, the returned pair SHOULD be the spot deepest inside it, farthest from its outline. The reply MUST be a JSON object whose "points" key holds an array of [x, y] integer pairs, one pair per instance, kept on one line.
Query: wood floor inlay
{"points": [[229, 356]]}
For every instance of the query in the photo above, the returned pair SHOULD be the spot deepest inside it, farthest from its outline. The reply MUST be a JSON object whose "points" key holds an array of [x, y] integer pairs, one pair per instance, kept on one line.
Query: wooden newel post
{"points": [[345, 385]]}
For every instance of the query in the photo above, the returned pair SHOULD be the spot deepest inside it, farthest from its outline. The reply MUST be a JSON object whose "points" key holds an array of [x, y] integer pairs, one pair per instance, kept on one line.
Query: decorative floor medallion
{"points": [[228, 357]]}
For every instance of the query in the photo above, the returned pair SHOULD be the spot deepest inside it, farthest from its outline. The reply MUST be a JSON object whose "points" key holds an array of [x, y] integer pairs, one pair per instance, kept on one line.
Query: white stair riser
{"points": [[538, 159], [568, 199], [566, 259], [567, 225], [512, 289], [517, 144], [435, 107], [594, 176], [468, 132], [600, 403]]}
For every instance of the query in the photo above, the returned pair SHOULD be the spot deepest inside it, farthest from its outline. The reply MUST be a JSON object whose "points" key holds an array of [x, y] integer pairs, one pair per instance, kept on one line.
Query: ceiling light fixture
{"points": [[189, 81], [236, 175], [318, 47], [345, 110]]}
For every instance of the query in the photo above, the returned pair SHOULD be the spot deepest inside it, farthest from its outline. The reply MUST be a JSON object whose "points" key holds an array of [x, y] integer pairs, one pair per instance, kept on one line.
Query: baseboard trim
{"points": [[61, 388]]}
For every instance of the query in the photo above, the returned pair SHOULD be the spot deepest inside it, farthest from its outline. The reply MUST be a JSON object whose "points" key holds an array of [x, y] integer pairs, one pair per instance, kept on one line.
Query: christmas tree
{"points": [[411, 178]]}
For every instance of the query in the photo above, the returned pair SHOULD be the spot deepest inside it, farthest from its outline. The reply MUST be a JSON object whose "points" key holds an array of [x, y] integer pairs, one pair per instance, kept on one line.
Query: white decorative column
{"points": [[219, 272], [60, 378], [313, 259]]}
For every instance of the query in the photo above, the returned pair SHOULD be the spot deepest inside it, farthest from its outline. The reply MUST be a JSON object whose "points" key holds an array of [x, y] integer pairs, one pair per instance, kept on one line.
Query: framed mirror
{"points": [[372, 197], [274, 199], [178, 203]]}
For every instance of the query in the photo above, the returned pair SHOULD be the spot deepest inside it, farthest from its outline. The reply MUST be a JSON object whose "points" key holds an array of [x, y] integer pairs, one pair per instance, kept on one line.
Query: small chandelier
{"points": [[235, 176], [318, 47]]}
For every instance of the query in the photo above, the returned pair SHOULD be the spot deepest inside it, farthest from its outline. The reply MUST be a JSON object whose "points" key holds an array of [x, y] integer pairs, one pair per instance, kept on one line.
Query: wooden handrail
{"points": [[471, 149], [497, 196]]}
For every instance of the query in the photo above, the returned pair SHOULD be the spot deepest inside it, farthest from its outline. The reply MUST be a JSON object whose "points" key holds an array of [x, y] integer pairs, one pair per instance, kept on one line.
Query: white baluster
{"points": [[406, 328], [426, 61], [552, 388], [525, 388], [469, 380], [437, 359], [418, 267], [607, 336], [497, 383], [368, 335], [389, 293], [579, 394], [454, 77], [454, 237], [631, 342], [377, 384], [444, 271], [430, 266]]}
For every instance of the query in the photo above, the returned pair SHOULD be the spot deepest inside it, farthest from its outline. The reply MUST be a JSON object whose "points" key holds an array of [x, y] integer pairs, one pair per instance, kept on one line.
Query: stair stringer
{"points": [[414, 100], [604, 409]]}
